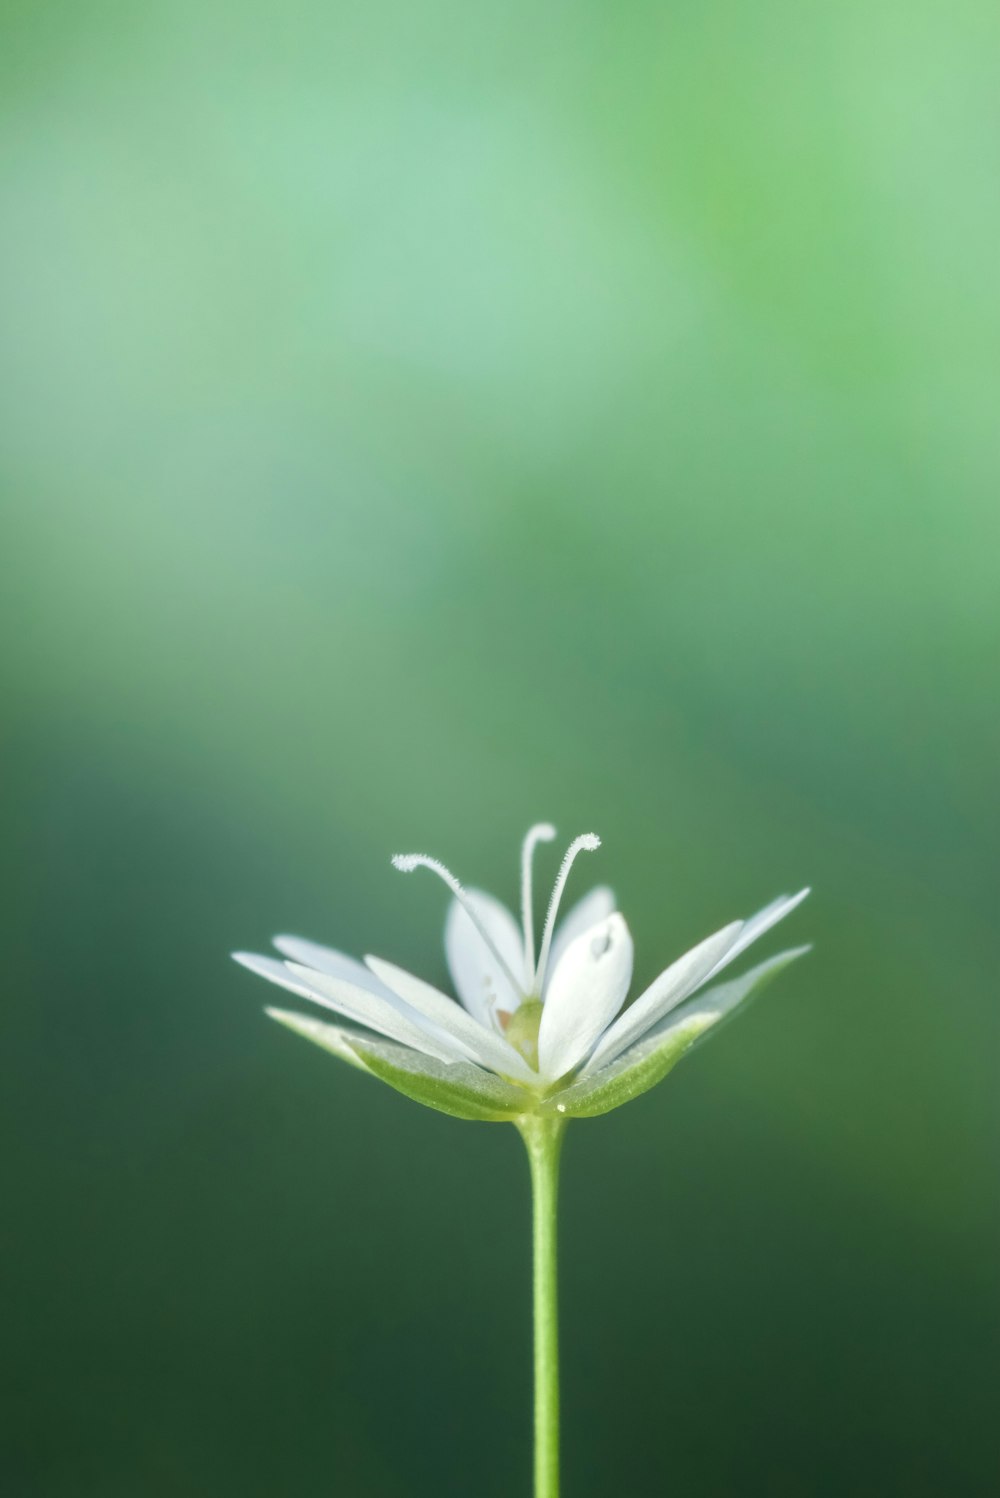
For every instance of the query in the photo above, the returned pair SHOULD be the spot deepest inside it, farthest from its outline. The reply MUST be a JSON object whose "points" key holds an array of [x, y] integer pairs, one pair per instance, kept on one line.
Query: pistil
{"points": [[522, 1030]]}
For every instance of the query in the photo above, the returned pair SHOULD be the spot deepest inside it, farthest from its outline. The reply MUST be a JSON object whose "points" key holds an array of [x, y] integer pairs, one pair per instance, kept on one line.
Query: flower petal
{"points": [[480, 982], [274, 971], [586, 991], [647, 1061], [669, 989], [755, 927], [594, 907], [329, 960], [460, 1090], [483, 1046], [357, 1004]]}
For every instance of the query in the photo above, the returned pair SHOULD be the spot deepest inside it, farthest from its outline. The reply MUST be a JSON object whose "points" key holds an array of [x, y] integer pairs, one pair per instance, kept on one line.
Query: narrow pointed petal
{"points": [[460, 1090], [274, 971], [484, 1046], [585, 993], [479, 980], [647, 1061], [329, 960], [357, 1004], [672, 987], [755, 927], [389, 1016], [593, 908]]}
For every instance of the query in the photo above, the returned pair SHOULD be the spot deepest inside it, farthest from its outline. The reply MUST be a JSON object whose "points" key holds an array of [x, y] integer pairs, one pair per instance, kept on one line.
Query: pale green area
{"points": [[543, 1140], [416, 421]]}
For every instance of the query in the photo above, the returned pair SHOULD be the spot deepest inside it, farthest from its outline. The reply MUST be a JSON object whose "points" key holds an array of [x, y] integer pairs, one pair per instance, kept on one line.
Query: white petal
{"points": [[595, 907], [357, 1004], [755, 927], [585, 993], [274, 971], [649, 1059], [479, 980], [721, 999], [670, 988], [484, 1046], [328, 960]]}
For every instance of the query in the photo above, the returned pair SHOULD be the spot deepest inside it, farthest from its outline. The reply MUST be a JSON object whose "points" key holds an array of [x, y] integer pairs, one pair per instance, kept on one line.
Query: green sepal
{"points": [[461, 1090], [330, 1037], [647, 1061]]}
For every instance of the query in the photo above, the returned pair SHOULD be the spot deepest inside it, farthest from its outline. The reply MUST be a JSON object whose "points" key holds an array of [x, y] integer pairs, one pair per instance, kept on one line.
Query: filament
{"points": [[407, 862], [542, 832], [587, 842]]}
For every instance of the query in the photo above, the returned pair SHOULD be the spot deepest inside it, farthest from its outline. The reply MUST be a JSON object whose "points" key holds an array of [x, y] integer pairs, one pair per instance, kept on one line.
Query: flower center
{"points": [[521, 1030]]}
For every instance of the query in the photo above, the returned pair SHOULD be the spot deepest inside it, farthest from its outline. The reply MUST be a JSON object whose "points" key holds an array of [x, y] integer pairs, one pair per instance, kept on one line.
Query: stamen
{"points": [[587, 843], [542, 832], [407, 862]]}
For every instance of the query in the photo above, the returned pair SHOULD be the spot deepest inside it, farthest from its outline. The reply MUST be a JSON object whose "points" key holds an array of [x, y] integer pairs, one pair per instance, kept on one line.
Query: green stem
{"points": [[543, 1138]]}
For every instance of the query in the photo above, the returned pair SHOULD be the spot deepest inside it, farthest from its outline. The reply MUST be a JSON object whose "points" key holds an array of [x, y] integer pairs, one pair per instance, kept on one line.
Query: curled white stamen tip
{"points": [[542, 832], [406, 862], [589, 841]]}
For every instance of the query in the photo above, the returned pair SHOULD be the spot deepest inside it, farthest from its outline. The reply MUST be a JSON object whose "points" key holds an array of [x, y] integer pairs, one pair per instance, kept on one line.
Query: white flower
{"points": [[532, 1034]]}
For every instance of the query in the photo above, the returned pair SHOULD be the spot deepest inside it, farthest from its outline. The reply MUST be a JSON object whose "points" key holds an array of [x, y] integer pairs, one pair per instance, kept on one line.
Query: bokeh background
{"points": [[416, 421]]}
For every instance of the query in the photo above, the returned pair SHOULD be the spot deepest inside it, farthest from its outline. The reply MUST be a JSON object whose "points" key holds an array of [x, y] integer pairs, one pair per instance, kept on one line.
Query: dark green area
{"points": [[415, 422]]}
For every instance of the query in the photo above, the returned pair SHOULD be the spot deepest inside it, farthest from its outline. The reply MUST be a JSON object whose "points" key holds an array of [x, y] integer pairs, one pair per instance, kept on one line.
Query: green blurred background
{"points": [[417, 421]]}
